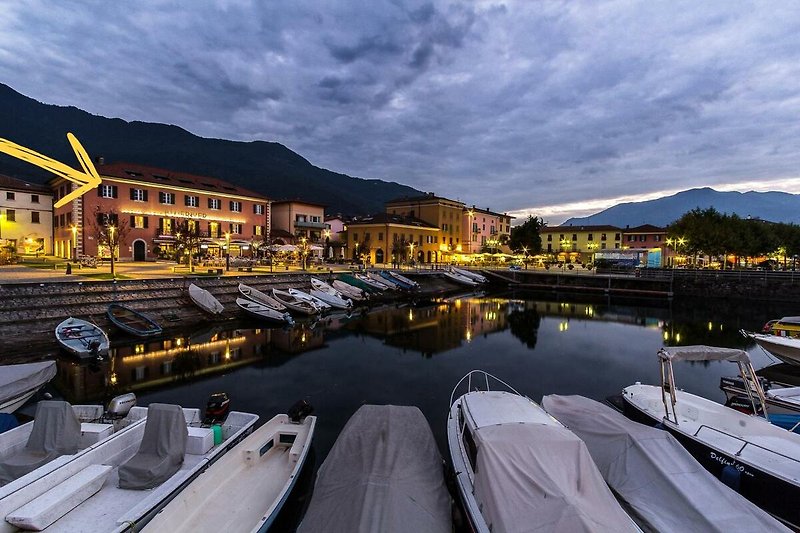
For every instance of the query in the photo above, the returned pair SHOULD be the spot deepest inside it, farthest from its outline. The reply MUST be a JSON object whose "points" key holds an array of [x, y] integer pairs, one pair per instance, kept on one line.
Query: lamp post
{"points": [[74, 243], [327, 235], [470, 217], [356, 256], [303, 251], [411, 246], [112, 245], [227, 251], [525, 251]]}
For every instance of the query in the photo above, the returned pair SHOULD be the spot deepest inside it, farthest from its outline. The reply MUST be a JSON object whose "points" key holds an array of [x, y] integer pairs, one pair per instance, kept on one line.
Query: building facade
{"points": [[484, 230], [150, 207], [395, 239], [300, 218], [650, 242], [578, 244], [26, 217], [442, 213]]}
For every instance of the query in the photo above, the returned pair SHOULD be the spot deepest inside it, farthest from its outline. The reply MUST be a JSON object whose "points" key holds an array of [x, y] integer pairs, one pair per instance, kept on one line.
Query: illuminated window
{"points": [[166, 198], [191, 201], [214, 203]]}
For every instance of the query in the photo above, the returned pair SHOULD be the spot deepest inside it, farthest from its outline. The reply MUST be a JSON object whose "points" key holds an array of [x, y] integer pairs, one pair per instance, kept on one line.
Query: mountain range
{"points": [[772, 206], [265, 167]]}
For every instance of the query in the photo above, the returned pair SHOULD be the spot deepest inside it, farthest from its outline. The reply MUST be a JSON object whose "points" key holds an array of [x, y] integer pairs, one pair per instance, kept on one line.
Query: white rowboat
{"points": [[82, 339], [205, 300], [294, 303], [263, 312], [260, 297]]}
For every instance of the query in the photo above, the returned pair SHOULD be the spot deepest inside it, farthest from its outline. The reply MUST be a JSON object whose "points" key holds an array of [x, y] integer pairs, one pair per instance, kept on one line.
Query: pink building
{"points": [[482, 228]]}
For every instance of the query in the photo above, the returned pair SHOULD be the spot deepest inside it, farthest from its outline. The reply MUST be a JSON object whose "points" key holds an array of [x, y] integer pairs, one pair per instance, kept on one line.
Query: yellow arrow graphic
{"points": [[88, 179]]}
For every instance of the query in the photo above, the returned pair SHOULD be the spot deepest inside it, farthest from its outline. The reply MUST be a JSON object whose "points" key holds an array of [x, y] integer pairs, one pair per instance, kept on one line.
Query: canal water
{"points": [[414, 353]]}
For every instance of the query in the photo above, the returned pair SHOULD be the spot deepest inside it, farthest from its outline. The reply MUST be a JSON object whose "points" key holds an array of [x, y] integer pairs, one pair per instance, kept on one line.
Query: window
{"points": [[616, 245], [139, 221], [69, 218], [11, 196], [166, 198], [574, 236], [236, 229], [602, 236], [34, 217], [616, 236], [191, 201], [165, 226], [355, 237], [107, 191], [62, 219], [258, 209], [138, 195], [549, 238], [380, 235], [214, 203], [591, 236], [258, 230], [11, 215], [34, 198], [366, 236], [236, 207], [657, 238], [630, 238]]}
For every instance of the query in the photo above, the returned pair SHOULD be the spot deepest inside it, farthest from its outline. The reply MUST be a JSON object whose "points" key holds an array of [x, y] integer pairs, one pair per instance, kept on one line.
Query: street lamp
{"points": [[74, 243], [470, 216], [525, 251], [303, 251], [227, 251], [112, 245], [411, 246]]}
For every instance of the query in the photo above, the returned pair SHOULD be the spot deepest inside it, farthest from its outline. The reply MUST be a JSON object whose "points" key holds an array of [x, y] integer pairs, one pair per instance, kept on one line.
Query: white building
{"points": [[26, 217]]}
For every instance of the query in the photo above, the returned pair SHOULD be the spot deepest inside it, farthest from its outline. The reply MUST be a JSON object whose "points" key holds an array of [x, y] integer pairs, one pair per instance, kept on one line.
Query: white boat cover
{"points": [[162, 449], [654, 473], [540, 477], [384, 473], [56, 431], [17, 379], [205, 299], [703, 353]]}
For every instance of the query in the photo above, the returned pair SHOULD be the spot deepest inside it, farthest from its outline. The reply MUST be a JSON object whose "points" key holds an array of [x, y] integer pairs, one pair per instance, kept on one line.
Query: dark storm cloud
{"points": [[512, 104]]}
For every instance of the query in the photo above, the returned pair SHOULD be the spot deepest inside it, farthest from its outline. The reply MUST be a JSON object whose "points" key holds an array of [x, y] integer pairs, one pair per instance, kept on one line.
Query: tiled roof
{"points": [[158, 176], [421, 199], [387, 218], [14, 184], [298, 201], [645, 228], [566, 229], [487, 211]]}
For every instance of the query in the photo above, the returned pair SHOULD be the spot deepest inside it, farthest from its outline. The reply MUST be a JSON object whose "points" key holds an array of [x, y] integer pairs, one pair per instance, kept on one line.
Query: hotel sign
{"points": [[87, 180], [180, 214]]}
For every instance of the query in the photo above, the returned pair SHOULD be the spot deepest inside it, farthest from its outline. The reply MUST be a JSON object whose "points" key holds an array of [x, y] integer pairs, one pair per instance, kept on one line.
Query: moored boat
{"points": [[82, 339], [519, 469], [302, 295], [359, 283], [245, 489], [294, 303], [205, 300], [458, 278], [787, 349], [59, 429], [760, 460], [262, 312], [119, 484], [652, 472], [469, 274], [332, 300], [18, 383], [390, 278], [132, 321], [788, 326], [372, 283], [413, 284], [318, 284], [384, 473], [260, 297], [351, 291]]}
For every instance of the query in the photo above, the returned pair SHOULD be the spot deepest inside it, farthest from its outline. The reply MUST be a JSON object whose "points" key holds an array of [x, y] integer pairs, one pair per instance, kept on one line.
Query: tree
{"points": [[187, 240], [109, 231], [526, 236]]}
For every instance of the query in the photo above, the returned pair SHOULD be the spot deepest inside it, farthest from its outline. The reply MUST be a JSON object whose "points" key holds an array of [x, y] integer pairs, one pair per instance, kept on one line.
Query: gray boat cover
{"points": [[16, 379], [384, 473], [540, 477], [703, 353], [162, 449], [56, 431], [654, 473]]}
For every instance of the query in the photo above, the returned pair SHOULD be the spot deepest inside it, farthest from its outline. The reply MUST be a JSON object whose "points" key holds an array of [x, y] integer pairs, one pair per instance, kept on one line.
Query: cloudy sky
{"points": [[550, 108]]}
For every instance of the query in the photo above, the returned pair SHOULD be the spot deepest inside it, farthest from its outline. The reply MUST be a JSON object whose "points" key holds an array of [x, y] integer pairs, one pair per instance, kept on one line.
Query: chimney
{"points": [[100, 160]]}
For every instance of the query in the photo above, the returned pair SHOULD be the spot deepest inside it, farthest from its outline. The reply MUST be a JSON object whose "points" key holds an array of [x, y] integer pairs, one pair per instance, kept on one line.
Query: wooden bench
{"points": [[245, 269], [181, 268], [43, 510]]}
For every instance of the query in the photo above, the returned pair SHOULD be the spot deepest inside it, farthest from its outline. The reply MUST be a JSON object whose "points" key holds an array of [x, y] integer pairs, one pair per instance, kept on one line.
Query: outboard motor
{"points": [[299, 411], [120, 406], [217, 408]]}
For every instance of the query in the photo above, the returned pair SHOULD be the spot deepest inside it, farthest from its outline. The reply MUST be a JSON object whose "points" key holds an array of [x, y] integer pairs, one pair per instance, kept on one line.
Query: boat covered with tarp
{"points": [[384, 473], [205, 300], [18, 383], [654, 474]]}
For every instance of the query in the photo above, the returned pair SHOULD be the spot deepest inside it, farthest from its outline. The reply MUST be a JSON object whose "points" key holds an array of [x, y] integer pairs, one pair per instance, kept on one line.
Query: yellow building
{"points": [[387, 238], [575, 244], [446, 215]]}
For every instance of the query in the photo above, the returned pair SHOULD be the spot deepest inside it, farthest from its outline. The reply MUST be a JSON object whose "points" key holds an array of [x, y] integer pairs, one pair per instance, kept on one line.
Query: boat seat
{"points": [[56, 432], [45, 509], [162, 449]]}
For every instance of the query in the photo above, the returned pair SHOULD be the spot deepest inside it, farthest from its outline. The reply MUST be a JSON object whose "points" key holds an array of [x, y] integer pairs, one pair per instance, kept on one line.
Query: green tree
{"points": [[526, 236]]}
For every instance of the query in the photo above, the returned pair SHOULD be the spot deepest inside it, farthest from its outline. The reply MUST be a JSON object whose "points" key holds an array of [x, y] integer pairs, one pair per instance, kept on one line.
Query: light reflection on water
{"points": [[414, 355]]}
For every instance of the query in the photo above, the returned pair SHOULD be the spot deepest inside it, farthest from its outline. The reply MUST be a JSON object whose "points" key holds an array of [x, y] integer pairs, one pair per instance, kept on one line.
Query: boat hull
{"points": [[74, 336], [132, 321], [772, 494], [787, 349]]}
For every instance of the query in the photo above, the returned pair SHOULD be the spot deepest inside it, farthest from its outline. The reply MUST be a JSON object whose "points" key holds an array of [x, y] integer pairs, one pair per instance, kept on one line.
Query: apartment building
{"points": [[300, 218], [484, 228], [149, 206], [26, 217], [575, 244], [442, 213], [387, 238]]}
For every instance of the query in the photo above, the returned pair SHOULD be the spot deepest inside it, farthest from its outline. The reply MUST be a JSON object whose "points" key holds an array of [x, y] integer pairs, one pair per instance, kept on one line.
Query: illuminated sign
{"points": [[180, 214], [87, 180]]}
